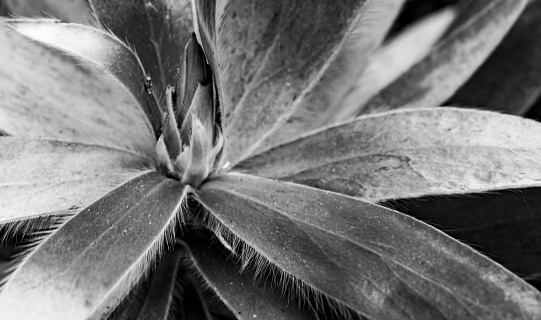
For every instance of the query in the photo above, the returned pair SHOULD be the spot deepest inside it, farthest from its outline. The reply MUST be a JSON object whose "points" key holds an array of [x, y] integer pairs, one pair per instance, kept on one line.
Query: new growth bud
{"points": [[190, 152]]}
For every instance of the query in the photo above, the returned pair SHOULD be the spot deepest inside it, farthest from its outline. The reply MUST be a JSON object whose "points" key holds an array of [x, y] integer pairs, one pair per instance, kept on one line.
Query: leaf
{"points": [[102, 50], [157, 29], [40, 178], [246, 296], [339, 80], [76, 102], [87, 265], [509, 80], [67, 10], [411, 153], [265, 70], [153, 299], [395, 58], [194, 307], [376, 261], [505, 225], [481, 27]]}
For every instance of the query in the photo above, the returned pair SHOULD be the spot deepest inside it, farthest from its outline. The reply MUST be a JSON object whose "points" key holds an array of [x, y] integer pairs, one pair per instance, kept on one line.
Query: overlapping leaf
{"points": [[42, 178], [510, 79], [240, 291], [379, 262], [340, 79], [46, 94], [505, 225], [269, 55], [411, 153], [435, 79], [153, 299], [157, 29], [102, 50], [67, 10], [87, 265], [393, 59]]}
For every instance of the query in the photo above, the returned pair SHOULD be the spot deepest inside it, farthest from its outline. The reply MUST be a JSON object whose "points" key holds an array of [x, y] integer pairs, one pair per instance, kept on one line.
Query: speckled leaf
{"points": [[76, 101], [42, 178], [157, 29], [379, 262], [319, 106], [100, 49], [241, 292], [67, 10], [87, 265], [435, 79], [510, 80], [505, 225], [410, 153], [265, 70]]}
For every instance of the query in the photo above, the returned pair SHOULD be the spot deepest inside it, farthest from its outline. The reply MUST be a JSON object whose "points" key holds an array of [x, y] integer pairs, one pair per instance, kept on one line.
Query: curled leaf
{"points": [[411, 153], [376, 261]]}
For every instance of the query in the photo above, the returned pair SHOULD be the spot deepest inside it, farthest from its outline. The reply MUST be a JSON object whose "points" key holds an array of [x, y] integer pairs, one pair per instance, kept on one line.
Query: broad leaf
{"points": [[46, 94], [410, 153], [102, 50], [41, 178], [154, 298], [505, 225], [87, 265], [510, 80], [340, 80], [379, 262], [67, 10], [264, 71], [432, 81], [241, 292], [157, 29]]}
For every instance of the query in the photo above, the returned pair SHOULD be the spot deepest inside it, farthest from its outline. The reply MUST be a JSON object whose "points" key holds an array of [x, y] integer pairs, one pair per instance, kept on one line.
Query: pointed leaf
{"points": [[506, 226], [379, 262], [432, 81], [102, 50], [152, 299], [157, 29], [194, 307], [265, 70], [410, 153], [510, 80], [41, 178], [394, 58], [158, 304], [46, 94], [338, 82], [87, 265], [241, 292]]}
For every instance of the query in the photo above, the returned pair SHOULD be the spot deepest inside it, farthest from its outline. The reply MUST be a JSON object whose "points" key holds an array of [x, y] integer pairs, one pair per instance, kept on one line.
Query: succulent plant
{"points": [[251, 159]]}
